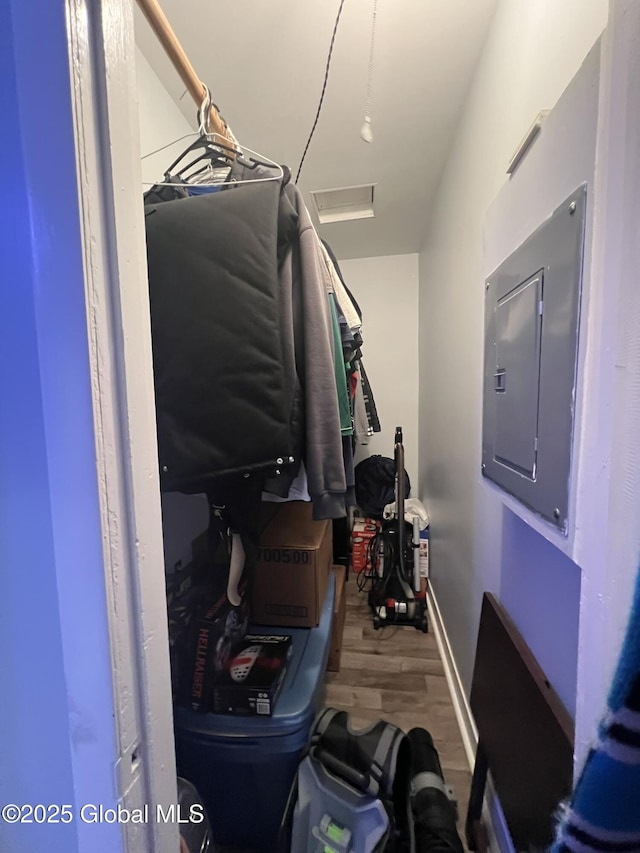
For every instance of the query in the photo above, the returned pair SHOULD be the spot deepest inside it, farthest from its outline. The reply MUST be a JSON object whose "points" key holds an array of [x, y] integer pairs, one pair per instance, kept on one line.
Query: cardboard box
{"points": [[253, 677], [364, 529], [424, 553], [337, 623], [292, 570]]}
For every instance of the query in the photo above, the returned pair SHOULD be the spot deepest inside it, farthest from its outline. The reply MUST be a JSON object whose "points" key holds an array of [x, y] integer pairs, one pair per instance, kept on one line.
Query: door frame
{"points": [[610, 470], [86, 616], [103, 87]]}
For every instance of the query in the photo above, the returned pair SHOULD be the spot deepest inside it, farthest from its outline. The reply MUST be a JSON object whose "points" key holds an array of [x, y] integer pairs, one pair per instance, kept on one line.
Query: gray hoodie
{"points": [[306, 270]]}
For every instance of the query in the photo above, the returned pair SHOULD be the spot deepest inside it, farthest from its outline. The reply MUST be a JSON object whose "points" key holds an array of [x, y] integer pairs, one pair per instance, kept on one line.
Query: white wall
{"points": [[612, 370], [538, 582], [161, 122], [532, 52], [386, 289]]}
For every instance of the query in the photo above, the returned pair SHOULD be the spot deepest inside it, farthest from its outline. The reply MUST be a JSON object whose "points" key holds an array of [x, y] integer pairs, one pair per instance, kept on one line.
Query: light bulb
{"points": [[366, 134]]}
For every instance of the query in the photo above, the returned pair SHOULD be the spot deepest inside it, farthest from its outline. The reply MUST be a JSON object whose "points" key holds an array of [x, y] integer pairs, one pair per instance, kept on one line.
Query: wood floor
{"points": [[396, 674]]}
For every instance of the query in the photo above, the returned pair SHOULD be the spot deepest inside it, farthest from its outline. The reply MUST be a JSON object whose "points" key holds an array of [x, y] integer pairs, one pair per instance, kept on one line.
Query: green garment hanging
{"points": [[344, 404]]}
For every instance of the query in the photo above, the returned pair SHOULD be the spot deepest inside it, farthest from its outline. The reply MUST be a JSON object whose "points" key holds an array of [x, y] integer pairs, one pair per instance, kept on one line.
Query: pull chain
{"points": [[366, 132]]}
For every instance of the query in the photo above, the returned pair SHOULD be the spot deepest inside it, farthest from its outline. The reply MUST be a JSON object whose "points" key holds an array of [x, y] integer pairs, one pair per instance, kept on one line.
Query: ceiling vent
{"points": [[344, 203]]}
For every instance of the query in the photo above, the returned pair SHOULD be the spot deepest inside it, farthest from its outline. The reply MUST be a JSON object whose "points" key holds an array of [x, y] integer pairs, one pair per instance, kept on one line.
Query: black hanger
{"points": [[211, 152], [214, 158]]}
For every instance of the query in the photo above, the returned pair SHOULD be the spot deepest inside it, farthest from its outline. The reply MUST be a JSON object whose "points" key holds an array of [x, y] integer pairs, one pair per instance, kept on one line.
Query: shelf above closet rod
{"points": [[164, 33]]}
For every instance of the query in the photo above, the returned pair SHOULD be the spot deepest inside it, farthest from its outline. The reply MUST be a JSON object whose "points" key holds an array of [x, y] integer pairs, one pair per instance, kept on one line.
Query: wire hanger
{"points": [[219, 155]]}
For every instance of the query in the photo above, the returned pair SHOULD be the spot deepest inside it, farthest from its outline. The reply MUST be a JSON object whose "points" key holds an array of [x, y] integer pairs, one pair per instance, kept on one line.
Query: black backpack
{"points": [[375, 484], [351, 791]]}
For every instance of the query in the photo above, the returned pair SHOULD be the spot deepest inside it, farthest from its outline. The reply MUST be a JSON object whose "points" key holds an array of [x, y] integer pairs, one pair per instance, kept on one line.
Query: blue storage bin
{"points": [[243, 767]]}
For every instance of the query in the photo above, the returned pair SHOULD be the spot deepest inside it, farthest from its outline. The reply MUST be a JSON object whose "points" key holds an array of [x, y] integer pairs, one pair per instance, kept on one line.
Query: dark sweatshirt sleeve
{"points": [[323, 451]]}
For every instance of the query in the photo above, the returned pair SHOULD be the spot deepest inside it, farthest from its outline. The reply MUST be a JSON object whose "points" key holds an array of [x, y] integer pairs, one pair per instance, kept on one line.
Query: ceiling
{"points": [[264, 61]]}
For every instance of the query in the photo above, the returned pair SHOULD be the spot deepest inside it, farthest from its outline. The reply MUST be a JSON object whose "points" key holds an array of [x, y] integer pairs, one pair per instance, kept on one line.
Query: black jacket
{"points": [[224, 401]]}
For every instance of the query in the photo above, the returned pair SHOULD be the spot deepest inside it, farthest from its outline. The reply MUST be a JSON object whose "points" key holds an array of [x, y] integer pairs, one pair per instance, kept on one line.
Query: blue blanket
{"points": [[604, 814]]}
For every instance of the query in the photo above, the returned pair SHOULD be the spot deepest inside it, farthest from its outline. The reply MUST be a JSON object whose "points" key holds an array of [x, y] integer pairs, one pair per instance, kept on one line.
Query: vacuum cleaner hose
{"points": [[433, 812]]}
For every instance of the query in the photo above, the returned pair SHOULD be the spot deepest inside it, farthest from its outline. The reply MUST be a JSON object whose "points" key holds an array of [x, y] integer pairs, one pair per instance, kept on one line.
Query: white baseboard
{"points": [[461, 707], [493, 819]]}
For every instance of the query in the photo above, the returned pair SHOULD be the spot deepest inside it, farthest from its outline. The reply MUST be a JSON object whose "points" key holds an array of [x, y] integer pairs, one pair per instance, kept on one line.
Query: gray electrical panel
{"points": [[532, 304]]}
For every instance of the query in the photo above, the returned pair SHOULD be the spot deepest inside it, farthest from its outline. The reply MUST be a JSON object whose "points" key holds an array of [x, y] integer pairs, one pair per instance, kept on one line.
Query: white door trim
{"points": [[612, 374], [102, 66]]}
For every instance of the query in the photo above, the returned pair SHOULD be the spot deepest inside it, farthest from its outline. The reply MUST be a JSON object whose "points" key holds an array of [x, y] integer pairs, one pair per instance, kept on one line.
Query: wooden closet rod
{"points": [[174, 50]]}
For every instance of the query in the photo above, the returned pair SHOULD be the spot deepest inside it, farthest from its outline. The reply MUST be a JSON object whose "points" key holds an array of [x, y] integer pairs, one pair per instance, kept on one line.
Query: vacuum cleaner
{"points": [[396, 596]]}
